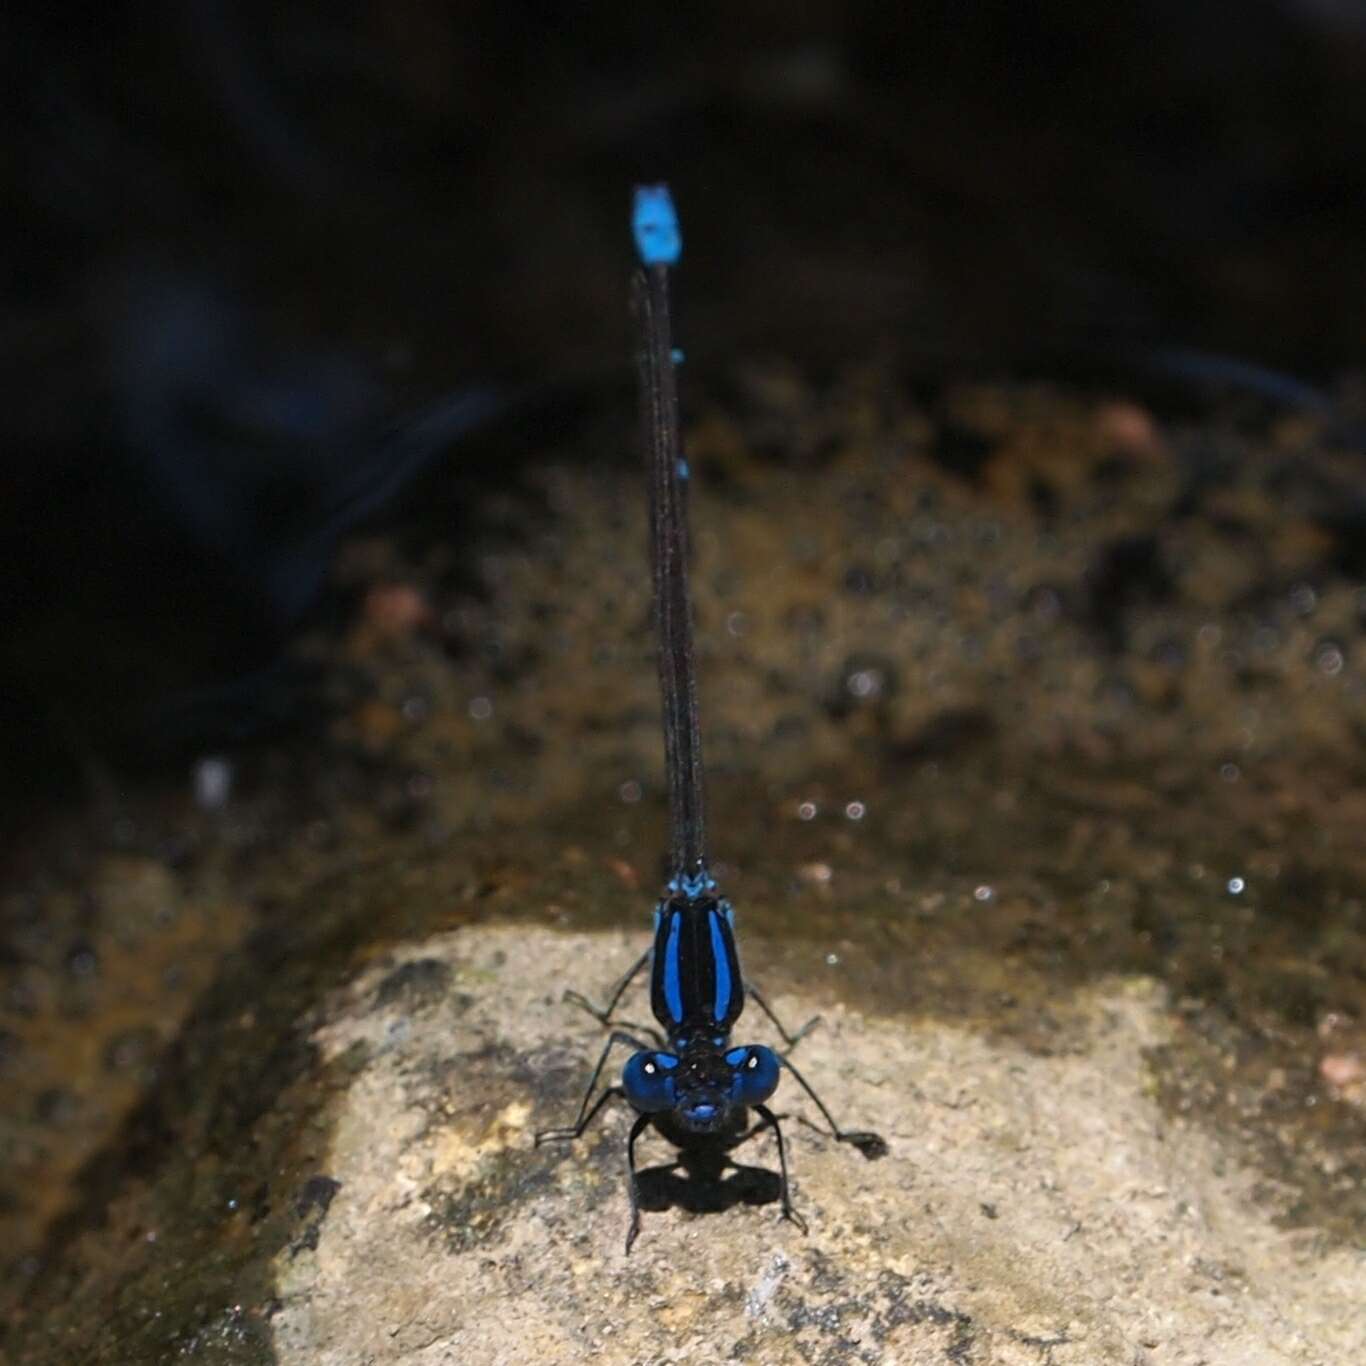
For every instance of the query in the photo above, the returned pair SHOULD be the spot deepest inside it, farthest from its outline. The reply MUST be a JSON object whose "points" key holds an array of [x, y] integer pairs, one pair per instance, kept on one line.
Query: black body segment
{"points": [[669, 567], [695, 982]]}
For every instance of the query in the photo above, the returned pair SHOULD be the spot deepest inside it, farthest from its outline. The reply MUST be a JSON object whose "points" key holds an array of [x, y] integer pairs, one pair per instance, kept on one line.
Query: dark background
{"points": [[269, 267]]}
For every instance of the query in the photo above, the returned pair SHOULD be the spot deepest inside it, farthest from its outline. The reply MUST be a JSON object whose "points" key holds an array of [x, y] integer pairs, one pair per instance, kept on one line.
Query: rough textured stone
{"points": [[1032, 1208]]}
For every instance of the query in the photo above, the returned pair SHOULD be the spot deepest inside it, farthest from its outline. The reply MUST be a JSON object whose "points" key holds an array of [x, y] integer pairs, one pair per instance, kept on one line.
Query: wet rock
{"points": [[288, 1114], [1030, 1208], [311, 1207], [414, 984]]}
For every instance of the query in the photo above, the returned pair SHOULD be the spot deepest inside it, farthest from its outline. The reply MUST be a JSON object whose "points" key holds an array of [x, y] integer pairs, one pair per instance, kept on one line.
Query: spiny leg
{"points": [[633, 1229], [604, 1015], [768, 1120], [586, 1116], [871, 1145], [791, 1040]]}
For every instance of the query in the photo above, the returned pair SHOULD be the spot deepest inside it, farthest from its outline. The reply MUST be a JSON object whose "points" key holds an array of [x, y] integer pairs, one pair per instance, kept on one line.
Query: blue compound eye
{"points": [[754, 1074], [648, 1080]]}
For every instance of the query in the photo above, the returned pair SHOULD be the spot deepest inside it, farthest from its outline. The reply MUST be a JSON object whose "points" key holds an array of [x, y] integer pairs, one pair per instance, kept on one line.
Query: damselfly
{"points": [[693, 1085]]}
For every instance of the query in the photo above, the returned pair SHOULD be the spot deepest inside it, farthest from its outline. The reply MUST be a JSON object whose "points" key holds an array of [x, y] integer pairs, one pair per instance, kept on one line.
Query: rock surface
{"points": [[1031, 1209], [1033, 731]]}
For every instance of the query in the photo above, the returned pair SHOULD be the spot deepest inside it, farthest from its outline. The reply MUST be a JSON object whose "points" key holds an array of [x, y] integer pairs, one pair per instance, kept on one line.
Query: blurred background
{"points": [[268, 266], [1025, 373]]}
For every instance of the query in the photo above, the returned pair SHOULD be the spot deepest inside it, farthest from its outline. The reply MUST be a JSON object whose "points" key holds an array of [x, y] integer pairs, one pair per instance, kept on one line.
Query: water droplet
{"points": [[832, 960], [630, 792], [855, 811], [1303, 599], [864, 683], [1236, 886], [1328, 658], [212, 781], [481, 708], [1230, 773], [807, 811], [983, 893]]}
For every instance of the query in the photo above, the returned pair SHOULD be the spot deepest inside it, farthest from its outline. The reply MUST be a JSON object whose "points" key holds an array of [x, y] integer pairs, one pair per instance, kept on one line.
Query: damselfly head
{"points": [[702, 1086]]}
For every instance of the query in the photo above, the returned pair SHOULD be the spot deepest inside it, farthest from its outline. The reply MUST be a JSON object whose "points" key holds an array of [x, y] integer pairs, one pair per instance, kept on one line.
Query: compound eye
{"points": [[754, 1073], [648, 1081]]}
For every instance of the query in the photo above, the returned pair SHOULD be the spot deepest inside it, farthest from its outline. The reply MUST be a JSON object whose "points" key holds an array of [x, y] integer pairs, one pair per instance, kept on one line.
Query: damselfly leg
{"points": [[603, 1014], [586, 1115], [768, 1120], [871, 1145]]}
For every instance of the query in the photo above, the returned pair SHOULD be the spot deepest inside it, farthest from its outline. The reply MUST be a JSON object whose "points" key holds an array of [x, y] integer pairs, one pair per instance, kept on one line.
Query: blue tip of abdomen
{"points": [[655, 225]]}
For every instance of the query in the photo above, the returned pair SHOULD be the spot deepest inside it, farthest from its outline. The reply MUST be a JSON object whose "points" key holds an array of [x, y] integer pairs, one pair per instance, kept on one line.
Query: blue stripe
{"points": [[722, 965], [673, 992]]}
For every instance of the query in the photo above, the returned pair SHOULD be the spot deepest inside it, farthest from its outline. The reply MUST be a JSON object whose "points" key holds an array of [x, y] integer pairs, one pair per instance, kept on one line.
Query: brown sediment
{"points": [[1013, 715]]}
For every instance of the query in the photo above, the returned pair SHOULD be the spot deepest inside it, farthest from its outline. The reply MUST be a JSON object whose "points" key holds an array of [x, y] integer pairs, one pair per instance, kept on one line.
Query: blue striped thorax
{"points": [[696, 987]]}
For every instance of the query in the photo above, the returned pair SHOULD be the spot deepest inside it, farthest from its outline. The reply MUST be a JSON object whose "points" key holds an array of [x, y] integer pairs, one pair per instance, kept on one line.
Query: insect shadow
{"points": [[709, 1182]]}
